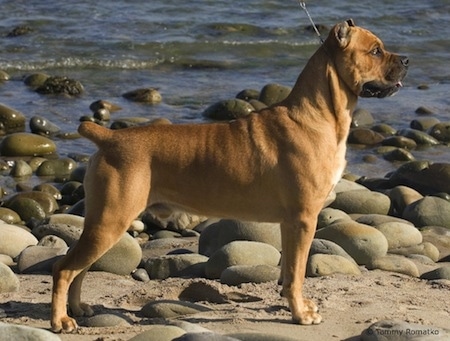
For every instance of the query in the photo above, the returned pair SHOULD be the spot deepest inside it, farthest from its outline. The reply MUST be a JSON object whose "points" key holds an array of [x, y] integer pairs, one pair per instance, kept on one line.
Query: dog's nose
{"points": [[404, 60]]}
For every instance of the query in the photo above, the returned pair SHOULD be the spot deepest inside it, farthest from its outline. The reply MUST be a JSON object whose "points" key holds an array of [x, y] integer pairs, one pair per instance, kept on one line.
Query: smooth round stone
{"points": [[327, 247], [102, 115], [400, 234], [159, 333], [384, 129], [14, 239], [364, 136], [46, 201], [241, 253], [140, 275], [7, 260], [59, 167], [122, 259], [425, 249], [35, 80], [55, 85], [21, 169], [438, 236], [9, 216], [127, 122], [329, 215], [205, 336], [166, 234], [68, 219], [144, 95], [423, 123], [274, 93], [394, 263], [363, 202], [248, 94], [441, 131], [190, 265], [420, 137], [345, 185], [48, 188], [398, 154], [26, 144], [171, 309], [39, 259], [106, 320], [399, 141], [11, 120], [4, 76], [228, 109], [361, 117], [19, 332], [254, 336], [429, 211], [102, 104], [35, 162], [220, 233], [27, 209], [402, 196], [238, 274], [378, 219], [361, 242], [53, 242], [42, 126], [69, 233], [8, 280], [442, 272], [324, 265]]}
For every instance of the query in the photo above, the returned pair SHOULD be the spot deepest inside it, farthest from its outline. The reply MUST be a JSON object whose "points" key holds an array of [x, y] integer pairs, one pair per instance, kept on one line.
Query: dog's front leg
{"points": [[297, 236]]}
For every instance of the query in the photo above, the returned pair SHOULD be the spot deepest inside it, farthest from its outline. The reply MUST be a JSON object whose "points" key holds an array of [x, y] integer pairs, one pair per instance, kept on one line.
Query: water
{"points": [[201, 51]]}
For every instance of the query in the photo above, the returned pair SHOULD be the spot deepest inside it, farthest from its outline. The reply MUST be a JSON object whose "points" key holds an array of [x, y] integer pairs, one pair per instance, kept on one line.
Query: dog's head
{"points": [[363, 63]]}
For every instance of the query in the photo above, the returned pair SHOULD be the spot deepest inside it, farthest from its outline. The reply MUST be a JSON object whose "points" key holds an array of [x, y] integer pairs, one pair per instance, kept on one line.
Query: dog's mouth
{"points": [[375, 89]]}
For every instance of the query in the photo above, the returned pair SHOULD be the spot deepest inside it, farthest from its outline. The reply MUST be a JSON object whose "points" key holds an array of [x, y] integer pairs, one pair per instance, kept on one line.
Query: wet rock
{"points": [[361, 118], [425, 249], [4, 76], [241, 253], [127, 122], [26, 144], [441, 131], [59, 168], [55, 85], [102, 115], [39, 259], [362, 201], [384, 129], [361, 242], [14, 239], [364, 136], [106, 320], [144, 95], [11, 121], [19, 31], [18, 332], [420, 137], [27, 209], [171, 308], [273, 93], [423, 123], [9, 216], [422, 110], [429, 211], [8, 280], [396, 154], [21, 169], [48, 188], [394, 263], [228, 109], [248, 94], [225, 231], [400, 234], [122, 258], [101, 104], [238, 274], [42, 126], [159, 333], [328, 264], [46, 201], [35, 80], [442, 272], [184, 265], [400, 142]]}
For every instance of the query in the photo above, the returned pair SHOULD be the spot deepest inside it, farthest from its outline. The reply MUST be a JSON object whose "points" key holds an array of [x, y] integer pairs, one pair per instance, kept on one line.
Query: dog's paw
{"points": [[308, 315], [65, 324], [81, 309]]}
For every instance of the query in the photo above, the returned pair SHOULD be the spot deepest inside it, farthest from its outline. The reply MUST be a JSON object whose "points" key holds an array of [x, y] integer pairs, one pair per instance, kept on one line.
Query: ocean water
{"points": [[201, 51]]}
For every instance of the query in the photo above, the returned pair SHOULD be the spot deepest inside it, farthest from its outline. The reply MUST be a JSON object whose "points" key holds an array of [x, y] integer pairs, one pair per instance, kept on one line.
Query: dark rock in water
{"points": [[56, 85], [384, 129], [144, 95], [274, 93], [400, 141], [364, 136], [102, 114], [398, 154], [441, 131], [228, 109], [11, 121], [19, 31], [26, 144], [101, 104], [42, 126], [423, 123], [424, 111], [35, 80], [248, 94], [420, 137]]}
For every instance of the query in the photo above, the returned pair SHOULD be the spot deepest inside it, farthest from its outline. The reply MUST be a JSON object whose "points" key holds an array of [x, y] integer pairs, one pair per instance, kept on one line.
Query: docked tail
{"points": [[96, 133]]}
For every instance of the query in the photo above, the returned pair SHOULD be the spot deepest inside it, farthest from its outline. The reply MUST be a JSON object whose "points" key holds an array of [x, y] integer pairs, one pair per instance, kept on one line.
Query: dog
{"points": [[276, 165]]}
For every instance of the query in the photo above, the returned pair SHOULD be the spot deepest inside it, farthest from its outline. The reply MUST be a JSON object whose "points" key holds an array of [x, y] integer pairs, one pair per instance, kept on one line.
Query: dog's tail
{"points": [[96, 133]]}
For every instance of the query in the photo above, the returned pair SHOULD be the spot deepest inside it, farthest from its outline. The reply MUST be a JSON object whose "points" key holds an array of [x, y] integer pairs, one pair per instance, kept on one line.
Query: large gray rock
{"points": [[12, 332], [394, 263], [8, 280], [442, 272], [400, 234], [67, 232], [327, 247], [159, 333], [241, 253], [171, 308], [238, 274], [329, 215], [425, 249], [362, 201], [325, 265], [429, 211], [14, 239], [190, 265], [39, 259], [361, 242]]}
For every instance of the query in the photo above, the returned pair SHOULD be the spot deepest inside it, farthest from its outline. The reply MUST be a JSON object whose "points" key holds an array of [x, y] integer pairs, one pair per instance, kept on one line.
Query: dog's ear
{"points": [[342, 32]]}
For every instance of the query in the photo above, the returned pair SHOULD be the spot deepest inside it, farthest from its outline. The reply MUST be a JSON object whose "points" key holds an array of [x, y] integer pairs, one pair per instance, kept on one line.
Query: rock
{"points": [[394, 263], [67, 219], [327, 264], [35, 80], [362, 117], [56, 85], [442, 272], [400, 234], [184, 265], [254, 336], [362, 201], [27, 209], [248, 94], [378, 219], [329, 215], [53, 242], [11, 120], [396, 330], [59, 168], [11, 332], [423, 123], [106, 320], [140, 275], [21, 169], [144, 95], [14, 240], [8, 280], [425, 249], [273, 93], [122, 258], [26, 144], [45, 200], [167, 218], [361, 242], [9, 216], [7, 260], [39, 259], [241, 253], [400, 142], [69, 233], [437, 236], [42, 126], [205, 336], [429, 211], [238, 274], [364, 136], [384, 129], [402, 196], [420, 137], [327, 247], [102, 104], [4, 76], [228, 109], [397, 154], [159, 333], [220, 233], [171, 308], [441, 131], [345, 185]]}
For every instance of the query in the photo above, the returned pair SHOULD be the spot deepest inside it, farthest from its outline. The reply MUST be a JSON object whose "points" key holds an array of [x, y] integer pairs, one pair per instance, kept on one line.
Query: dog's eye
{"points": [[376, 51]]}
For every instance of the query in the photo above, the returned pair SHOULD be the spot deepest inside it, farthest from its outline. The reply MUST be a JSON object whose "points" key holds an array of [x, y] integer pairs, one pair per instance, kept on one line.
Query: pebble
{"points": [[327, 264], [56, 85], [241, 253], [361, 242], [59, 168], [7, 260], [9, 282], [171, 309], [345, 185], [441, 131], [11, 120], [399, 141], [429, 211], [205, 336], [423, 123], [362, 201], [52, 241], [19, 332], [396, 154], [122, 259], [165, 217], [69, 233], [362, 117], [45, 200], [21, 169], [27, 209], [220, 233], [255, 336], [425, 249], [273, 93], [420, 137], [238, 274], [39, 259], [9, 216], [26, 144], [144, 95], [327, 247], [106, 320], [329, 215], [192, 265], [35, 80], [228, 109], [67, 219], [437, 236], [14, 239], [378, 219], [401, 197], [394, 263], [400, 234], [442, 272], [42, 126], [364, 136], [159, 333], [140, 275], [248, 94]]}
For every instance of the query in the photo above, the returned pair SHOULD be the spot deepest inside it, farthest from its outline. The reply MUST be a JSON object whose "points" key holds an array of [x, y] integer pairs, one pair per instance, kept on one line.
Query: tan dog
{"points": [[276, 165]]}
